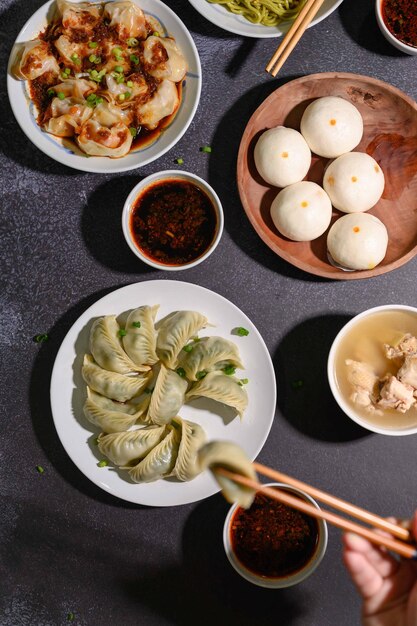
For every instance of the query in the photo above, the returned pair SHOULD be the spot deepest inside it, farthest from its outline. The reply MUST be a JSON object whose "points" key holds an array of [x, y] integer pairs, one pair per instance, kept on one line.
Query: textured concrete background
{"points": [[65, 545]]}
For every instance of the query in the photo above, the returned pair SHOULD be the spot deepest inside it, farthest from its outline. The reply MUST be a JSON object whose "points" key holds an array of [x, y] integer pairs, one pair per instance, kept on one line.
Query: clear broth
{"points": [[364, 342]]}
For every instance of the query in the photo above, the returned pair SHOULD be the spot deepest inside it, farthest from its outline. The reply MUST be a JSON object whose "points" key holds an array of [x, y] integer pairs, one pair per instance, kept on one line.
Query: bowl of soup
{"points": [[372, 369], [273, 545]]}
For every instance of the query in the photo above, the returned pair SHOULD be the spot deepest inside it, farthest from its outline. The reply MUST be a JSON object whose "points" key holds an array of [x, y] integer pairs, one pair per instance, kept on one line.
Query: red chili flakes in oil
{"points": [[173, 222], [400, 16], [271, 539]]}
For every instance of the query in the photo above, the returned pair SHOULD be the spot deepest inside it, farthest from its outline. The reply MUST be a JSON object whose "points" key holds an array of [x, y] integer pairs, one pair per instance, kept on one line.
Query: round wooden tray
{"points": [[390, 136]]}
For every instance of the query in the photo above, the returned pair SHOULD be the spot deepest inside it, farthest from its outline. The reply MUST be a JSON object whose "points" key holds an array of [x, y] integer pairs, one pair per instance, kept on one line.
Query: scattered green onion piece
{"points": [[99, 100], [201, 374], [134, 59], [118, 68], [74, 56], [179, 161], [92, 58], [92, 44], [243, 381], [129, 83], [128, 94], [67, 71], [132, 42], [70, 617], [242, 332], [196, 339], [296, 384], [134, 132], [206, 149], [188, 347], [135, 324], [120, 79], [156, 34], [180, 371], [121, 332], [51, 92], [102, 463], [41, 338], [77, 61], [229, 370], [116, 49], [40, 469], [121, 97], [91, 97]]}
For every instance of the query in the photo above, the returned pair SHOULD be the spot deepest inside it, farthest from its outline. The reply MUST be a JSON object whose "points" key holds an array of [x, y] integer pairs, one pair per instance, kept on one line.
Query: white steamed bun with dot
{"points": [[302, 211], [354, 182], [358, 241], [282, 156], [331, 126]]}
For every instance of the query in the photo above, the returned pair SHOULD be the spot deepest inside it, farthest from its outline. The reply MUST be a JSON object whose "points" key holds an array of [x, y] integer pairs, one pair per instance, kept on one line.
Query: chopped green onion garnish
{"points": [[129, 83], [180, 371], [51, 92], [243, 381], [41, 338], [134, 132], [94, 59], [128, 94], [205, 149], [121, 97], [121, 332], [96, 76], [242, 332], [201, 374], [135, 324], [91, 97], [179, 161], [77, 61], [118, 68], [74, 56], [92, 44], [188, 347], [102, 463], [296, 384], [61, 95], [67, 70], [134, 59], [70, 617], [156, 34], [132, 42], [196, 339], [99, 100], [120, 79], [40, 469], [116, 49], [229, 370]]}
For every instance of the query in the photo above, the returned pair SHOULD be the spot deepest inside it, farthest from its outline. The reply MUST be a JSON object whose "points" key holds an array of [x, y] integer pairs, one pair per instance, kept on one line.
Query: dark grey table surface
{"points": [[67, 546]]}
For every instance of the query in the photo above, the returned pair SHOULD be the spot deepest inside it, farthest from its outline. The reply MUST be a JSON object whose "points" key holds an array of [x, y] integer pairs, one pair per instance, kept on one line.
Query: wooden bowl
{"points": [[390, 136]]}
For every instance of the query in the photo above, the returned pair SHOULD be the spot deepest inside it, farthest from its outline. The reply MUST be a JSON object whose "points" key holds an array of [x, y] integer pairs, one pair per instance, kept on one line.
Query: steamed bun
{"points": [[282, 156], [331, 126], [302, 211], [354, 182], [358, 241]]}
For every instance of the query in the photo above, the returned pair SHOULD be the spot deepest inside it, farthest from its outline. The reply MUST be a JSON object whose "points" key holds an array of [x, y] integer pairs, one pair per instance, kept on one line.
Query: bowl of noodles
{"points": [[258, 18]]}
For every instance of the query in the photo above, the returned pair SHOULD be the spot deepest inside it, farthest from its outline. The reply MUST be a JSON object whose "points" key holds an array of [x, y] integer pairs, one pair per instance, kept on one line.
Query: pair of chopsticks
{"points": [[293, 36], [400, 547]]}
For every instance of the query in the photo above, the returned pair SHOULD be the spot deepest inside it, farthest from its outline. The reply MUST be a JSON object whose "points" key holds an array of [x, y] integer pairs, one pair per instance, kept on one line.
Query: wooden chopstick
{"points": [[336, 503], [403, 549], [293, 36]]}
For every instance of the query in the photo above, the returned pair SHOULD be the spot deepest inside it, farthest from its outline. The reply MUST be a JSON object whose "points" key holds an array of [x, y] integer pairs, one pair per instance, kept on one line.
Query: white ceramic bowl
{"points": [[290, 579], [178, 175], [344, 405], [25, 113], [389, 36]]}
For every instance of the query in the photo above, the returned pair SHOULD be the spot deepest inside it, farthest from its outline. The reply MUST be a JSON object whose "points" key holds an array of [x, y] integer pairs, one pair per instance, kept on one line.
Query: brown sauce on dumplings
{"points": [[173, 222]]}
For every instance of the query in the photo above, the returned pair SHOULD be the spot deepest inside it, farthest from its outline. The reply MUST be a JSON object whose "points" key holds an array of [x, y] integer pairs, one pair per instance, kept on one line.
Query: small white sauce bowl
{"points": [[389, 36], [171, 175], [331, 373], [290, 579]]}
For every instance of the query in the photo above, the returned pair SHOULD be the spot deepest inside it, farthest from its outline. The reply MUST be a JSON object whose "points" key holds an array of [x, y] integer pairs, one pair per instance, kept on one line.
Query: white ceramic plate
{"points": [[68, 390], [237, 24], [25, 114]]}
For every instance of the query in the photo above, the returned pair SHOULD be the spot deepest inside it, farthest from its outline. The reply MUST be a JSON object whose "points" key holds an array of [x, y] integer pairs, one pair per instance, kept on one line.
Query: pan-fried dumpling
{"points": [[174, 332], [68, 116], [222, 388], [130, 447], [128, 19], [160, 461], [76, 87], [209, 353], [167, 397], [81, 16], [163, 58], [140, 339], [106, 347], [33, 59], [106, 419], [164, 102], [192, 438], [229, 456], [112, 384], [98, 140]]}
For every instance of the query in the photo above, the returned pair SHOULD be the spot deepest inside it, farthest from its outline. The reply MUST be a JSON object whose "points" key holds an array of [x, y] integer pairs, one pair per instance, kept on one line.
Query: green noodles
{"points": [[266, 12]]}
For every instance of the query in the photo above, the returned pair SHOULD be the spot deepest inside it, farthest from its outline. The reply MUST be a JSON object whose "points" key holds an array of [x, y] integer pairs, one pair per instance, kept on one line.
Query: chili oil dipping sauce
{"points": [[397, 20], [273, 545], [172, 220]]}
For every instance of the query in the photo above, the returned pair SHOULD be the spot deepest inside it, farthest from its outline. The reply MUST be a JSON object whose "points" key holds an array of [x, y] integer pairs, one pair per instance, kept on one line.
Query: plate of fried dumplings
{"points": [[146, 376]]}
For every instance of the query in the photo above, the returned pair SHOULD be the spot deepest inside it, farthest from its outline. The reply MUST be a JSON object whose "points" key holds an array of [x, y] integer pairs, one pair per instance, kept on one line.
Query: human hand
{"points": [[387, 586]]}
